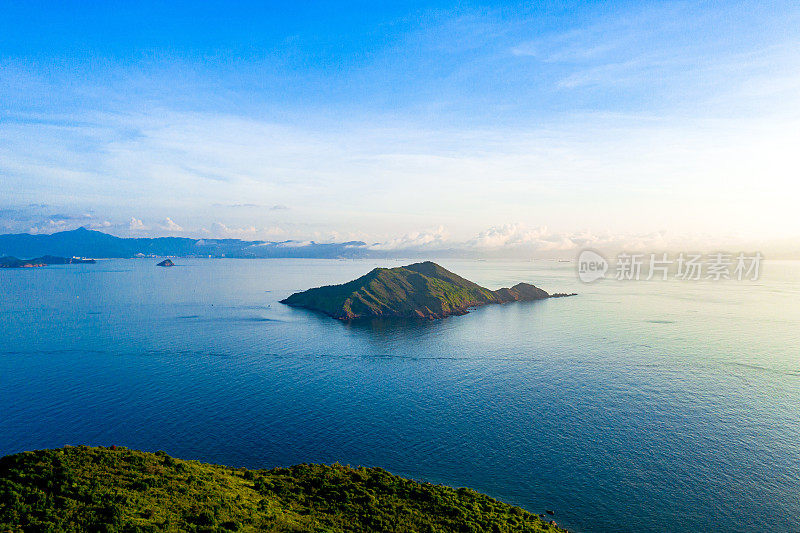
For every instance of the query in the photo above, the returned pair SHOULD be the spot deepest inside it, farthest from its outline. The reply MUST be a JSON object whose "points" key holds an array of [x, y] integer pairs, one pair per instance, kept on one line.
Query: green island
{"points": [[116, 489], [421, 290]]}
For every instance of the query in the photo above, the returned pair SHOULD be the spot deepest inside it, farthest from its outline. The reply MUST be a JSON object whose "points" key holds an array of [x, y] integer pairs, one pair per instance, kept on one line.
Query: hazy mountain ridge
{"points": [[83, 242]]}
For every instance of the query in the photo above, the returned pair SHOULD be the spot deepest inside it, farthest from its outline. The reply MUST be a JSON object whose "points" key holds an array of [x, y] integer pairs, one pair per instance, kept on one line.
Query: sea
{"points": [[643, 406]]}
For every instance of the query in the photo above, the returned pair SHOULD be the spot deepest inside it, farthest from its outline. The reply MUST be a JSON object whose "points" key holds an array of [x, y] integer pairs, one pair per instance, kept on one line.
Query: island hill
{"points": [[117, 489], [422, 290]]}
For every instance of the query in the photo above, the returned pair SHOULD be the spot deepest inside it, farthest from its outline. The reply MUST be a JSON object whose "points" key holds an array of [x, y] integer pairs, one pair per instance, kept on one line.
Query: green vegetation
{"points": [[116, 489], [424, 290]]}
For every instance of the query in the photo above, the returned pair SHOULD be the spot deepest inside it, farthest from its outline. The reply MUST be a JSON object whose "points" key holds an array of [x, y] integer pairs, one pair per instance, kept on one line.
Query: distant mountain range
{"points": [[83, 242]]}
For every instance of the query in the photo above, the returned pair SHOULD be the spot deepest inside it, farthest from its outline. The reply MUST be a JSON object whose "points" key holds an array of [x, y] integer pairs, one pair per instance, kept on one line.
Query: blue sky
{"points": [[544, 125]]}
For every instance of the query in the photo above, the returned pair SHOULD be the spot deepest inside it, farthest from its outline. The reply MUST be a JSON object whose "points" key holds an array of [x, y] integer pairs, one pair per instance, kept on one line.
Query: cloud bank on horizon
{"points": [[427, 127]]}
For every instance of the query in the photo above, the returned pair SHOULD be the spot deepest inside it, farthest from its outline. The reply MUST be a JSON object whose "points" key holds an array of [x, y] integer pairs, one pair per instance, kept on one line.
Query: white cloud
{"points": [[519, 239], [436, 238], [48, 226], [273, 231], [170, 225], [136, 224], [518, 236], [507, 235]]}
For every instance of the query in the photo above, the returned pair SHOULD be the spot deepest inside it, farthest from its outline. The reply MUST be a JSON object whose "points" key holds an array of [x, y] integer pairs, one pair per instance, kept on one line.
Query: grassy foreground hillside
{"points": [[116, 489]]}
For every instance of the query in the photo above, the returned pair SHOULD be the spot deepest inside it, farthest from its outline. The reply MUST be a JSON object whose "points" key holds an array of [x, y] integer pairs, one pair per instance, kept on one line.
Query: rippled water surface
{"points": [[635, 406]]}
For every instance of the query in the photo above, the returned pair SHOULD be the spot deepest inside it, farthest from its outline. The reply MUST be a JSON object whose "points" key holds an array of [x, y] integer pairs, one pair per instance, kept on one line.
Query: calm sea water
{"points": [[635, 406]]}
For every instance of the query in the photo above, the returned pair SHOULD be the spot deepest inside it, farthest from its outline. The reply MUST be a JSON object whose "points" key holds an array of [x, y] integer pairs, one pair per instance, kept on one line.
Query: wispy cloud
{"points": [[218, 229], [371, 180], [673, 51]]}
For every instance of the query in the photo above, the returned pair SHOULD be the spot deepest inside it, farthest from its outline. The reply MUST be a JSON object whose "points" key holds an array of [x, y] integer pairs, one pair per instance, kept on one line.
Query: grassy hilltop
{"points": [[116, 489], [421, 290]]}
